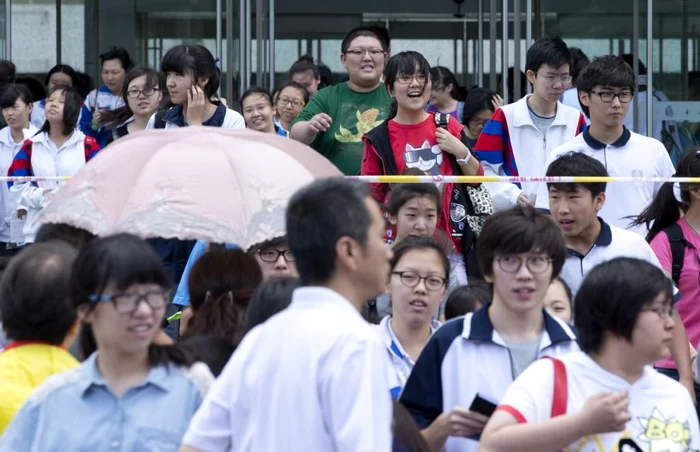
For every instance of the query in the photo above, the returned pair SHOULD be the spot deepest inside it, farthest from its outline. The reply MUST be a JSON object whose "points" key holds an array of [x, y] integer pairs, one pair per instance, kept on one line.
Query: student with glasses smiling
{"points": [[129, 394], [606, 87], [607, 393], [290, 100], [520, 252], [336, 118], [519, 136], [142, 94]]}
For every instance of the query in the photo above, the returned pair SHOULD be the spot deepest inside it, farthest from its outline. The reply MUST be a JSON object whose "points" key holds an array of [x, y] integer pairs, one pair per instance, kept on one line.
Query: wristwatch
{"points": [[465, 160]]}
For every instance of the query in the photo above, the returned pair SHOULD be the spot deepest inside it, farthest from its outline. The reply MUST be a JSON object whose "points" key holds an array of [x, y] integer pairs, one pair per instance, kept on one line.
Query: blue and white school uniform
{"points": [[400, 363], [8, 151], [77, 410], [98, 99], [223, 117]]}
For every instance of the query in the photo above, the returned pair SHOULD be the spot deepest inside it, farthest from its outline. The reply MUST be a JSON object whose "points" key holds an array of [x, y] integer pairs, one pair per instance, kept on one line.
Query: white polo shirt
{"points": [[612, 242], [632, 155], [663, 414], [399, 362], [311, 378]]}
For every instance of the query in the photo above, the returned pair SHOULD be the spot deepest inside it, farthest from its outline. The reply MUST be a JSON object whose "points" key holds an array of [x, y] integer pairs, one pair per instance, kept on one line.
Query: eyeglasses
{"points": [[361, 52], [126, 303], [664, 313], [535, 264], [556, 78], [412, 279], [404, 79], [272, 255], [609, 96], [136, 93], [296, 103]]}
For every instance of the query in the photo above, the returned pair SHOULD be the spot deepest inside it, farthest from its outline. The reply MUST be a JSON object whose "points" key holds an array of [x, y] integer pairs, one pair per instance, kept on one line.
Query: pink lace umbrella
{"points": [[218, 185]]}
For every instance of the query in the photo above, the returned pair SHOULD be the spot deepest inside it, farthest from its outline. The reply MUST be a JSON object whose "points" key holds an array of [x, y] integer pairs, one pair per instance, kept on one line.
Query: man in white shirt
{"points": [[590, 241], [606, 86], [608, 394], [313, 377]]}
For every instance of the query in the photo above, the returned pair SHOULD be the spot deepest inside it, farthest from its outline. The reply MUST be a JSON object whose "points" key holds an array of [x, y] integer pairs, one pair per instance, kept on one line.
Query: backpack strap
{"points": [[442, 119], [678, 244], [560, 394]]}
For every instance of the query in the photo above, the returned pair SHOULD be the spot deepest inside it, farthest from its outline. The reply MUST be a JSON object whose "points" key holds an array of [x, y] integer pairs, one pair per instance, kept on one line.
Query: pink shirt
{"points": [[689, 305]]}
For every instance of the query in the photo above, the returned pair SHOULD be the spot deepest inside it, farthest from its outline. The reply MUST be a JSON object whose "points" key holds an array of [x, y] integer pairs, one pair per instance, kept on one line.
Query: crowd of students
{"points": [[400, 317]]}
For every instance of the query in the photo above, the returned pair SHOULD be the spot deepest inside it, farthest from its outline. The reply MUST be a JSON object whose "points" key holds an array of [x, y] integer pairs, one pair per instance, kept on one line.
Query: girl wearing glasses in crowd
{"points": [[291, 99], [417, 284], [142, 94], [58, 149], [663, 217], [259, 111], [412, 140], [120, 291], [480, 105]]}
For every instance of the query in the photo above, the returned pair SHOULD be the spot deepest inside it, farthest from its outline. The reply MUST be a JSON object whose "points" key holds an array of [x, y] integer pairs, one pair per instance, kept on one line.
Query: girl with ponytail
{"points": [[220, 286], [673, 220], [119, 396]]}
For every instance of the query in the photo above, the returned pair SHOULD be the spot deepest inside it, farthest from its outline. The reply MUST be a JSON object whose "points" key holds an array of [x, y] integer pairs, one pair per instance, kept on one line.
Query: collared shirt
{"points": [[8, 151], [77, 411], [222, 117], [662, 413], [612, 242], [632, 155], [311, 378], [467, 356], [400, 363]]}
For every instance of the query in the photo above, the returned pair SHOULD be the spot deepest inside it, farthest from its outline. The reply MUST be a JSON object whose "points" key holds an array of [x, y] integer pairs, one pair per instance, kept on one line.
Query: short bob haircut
{"points": [[609, 70], [612, 296], [35, 294], [72, 104], [406, 63], [411, 243], [318, 216], [295, 85], [577, 164], [403, 193], [194, 60], [521, 229]]}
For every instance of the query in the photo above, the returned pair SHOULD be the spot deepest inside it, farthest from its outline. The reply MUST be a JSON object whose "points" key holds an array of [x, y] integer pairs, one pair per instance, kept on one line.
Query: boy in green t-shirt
{"points": [[335, 119]]}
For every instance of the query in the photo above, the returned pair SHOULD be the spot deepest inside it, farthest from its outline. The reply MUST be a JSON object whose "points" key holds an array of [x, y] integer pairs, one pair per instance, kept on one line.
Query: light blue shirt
{"points": [[182, 296], [77, 411]]}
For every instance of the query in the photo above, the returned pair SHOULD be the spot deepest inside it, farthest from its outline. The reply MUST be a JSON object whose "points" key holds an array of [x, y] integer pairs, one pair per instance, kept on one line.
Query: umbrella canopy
{"points": [[213, 184]]}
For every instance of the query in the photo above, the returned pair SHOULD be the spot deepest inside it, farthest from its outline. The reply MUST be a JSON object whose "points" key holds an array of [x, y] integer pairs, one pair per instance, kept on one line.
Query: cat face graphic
{"points": [[426, 158]]}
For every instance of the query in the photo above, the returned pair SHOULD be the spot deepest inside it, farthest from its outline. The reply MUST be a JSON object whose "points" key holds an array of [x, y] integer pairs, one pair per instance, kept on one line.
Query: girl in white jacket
{"points": [[16, 104], [58, 149]]}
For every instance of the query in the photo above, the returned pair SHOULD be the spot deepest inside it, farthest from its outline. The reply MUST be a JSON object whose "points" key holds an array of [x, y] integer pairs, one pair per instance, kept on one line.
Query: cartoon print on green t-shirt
{"points": [[350, 130]]}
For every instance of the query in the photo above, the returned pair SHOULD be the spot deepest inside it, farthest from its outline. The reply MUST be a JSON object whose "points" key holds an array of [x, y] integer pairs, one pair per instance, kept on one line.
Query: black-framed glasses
{"points": [[412, 279], [127, 302], [404, 79], [535, 264], [271, 255], [296, 103], [136, 93], [663, 312], [608, 96]]}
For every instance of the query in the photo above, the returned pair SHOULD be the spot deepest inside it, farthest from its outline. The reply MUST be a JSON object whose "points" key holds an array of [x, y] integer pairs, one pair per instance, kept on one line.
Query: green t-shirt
{"points": [[353, 114]]}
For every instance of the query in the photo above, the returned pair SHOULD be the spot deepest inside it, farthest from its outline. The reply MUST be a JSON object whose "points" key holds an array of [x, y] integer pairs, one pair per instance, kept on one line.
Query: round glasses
{"points": [[136, 93], [271, 255], [535, 264], [127, 303], [412, 279]]}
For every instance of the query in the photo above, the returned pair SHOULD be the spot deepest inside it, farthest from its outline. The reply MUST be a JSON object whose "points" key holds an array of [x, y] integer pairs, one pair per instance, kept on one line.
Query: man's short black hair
{"points": [[362, 31], [35, 300], [320, 214], [117, 53], [521, 229], [577, 164], [612, 296], [549, 50], [609, 70]]}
